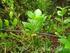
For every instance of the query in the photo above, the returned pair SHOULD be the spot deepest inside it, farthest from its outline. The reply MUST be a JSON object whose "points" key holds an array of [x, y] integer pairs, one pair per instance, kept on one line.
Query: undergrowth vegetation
{"points": [[34, 26]]}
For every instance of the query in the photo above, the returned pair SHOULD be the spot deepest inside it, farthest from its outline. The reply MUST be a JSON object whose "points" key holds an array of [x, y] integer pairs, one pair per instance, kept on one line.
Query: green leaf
{"points": [[0, 23], [6, 23], [30, 14], [64, 10], [67, 21], [15, 21], [3, 35], [38, 12], [11, 14], [59, 13], [34, 24], [7, 44], [65, 41], [65, 50], [4, 1], [59, 19]]}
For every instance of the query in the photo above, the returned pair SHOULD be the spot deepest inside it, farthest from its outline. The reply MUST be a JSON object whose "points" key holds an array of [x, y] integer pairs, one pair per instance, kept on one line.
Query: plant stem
{"points": [[5, 49], [62, 26]]}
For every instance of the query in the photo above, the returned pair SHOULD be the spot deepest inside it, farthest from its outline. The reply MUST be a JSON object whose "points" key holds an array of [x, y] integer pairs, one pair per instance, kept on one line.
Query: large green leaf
{"points": [[38, 12]]}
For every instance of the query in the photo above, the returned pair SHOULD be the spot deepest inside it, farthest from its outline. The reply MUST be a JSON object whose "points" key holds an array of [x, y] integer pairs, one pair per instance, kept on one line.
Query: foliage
{"points": [[46, 29], [35, 21]]}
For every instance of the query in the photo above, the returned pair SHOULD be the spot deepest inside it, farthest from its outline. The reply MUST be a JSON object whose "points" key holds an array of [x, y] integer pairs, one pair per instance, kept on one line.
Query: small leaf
{"points": [[11, 14], [6, 23], [3, 35], [64, 10], [67, 21], [27, 25], [7, 44], [0, 23], [58, 19], [15, 21], [4, 1], [30, 14], [59, 13]]}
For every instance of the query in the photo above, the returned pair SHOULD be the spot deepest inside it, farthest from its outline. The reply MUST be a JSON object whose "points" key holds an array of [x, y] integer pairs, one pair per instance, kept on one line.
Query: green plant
{"points": [[15, 35], [35, 21], [63, 21], [65, 41], [64, 44], [12, 19]]}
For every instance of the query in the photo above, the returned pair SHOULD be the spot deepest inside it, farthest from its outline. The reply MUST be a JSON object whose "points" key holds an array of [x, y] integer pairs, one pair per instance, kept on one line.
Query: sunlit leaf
{"points": [[30, 14], [38, 12], [11, 14], [59, 13]]}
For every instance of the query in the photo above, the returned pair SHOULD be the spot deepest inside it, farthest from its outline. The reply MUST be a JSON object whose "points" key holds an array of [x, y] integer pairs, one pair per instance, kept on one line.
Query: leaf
{"points": [[38, 12], [15, 21], [43, 17], [0, 23], [58, 19], [7, 44], [30, 14], [62, 11], [6, 23], [67, 21], [65, 41], [34, 24], [11, 14], [59, 13], [65, 50], [27, 25], [3, 35]]}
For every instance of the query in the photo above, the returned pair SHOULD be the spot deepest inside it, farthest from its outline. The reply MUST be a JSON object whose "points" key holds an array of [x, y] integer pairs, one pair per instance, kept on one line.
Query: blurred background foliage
{"points": [[57, 26], [20, 7]]}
